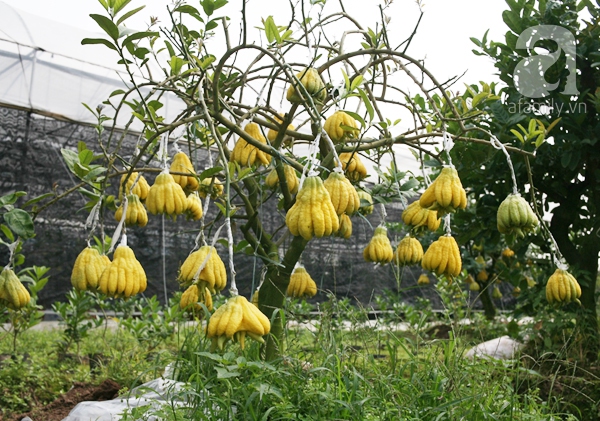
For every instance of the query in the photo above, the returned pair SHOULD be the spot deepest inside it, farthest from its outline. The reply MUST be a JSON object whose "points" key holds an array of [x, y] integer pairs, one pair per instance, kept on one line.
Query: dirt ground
{"points": [[60, 408]]}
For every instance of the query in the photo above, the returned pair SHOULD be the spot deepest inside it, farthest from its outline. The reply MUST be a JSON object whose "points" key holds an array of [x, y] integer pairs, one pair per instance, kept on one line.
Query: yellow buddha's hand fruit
{"points": [[562, 287], [423, 280], [272, 179], [312, 83], [343, 194], [345, 230], [341, 126], [272, 134], [417, 217], [443, 257], [12, 291], [313, 214], [248, 155], [236, 319], [366, 202], [136, 212], [191, 299], [301, 284], [210, 186], [124, 276], [409, 252], [193, 206], [213, 275], [88, 268], [379, 249], [515, 216], [446, 194], [166, 196], [136, 184], [182, 164], [353, 166]]}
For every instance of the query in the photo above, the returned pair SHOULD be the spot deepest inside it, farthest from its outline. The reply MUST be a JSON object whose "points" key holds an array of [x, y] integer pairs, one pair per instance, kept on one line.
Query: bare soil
{"points": [[60, 408]]}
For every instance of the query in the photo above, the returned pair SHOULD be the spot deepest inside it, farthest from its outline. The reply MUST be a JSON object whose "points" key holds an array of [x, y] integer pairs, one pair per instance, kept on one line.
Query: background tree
{"points": [[562, 177]]}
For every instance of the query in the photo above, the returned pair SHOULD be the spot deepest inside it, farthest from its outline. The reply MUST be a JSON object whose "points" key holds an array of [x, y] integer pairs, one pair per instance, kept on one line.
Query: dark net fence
{"points": [[31, 161]]}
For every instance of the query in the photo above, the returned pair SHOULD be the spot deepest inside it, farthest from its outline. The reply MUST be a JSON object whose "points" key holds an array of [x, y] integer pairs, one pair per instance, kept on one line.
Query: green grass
{"points": [[327, 374]]}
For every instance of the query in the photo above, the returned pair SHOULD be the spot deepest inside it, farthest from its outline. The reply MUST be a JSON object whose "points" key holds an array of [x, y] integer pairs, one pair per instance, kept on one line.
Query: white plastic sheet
{"points": [[154, 393], [44, 68]]}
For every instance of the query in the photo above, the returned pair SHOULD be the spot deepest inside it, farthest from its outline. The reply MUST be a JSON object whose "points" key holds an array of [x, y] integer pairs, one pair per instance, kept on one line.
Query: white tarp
{"points": [[44, 68]]}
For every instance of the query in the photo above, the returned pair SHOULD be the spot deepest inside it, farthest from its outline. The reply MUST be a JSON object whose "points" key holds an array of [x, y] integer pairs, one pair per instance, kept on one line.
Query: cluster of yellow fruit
{"points": [[88, 268], [135, 214], [343, 195], [301, 284], [192, 296], [516, 216], [423, 279], [418, 217], [123, 277], [345, 230], [445, 194], [236, 319], [12, 291], [562, 287], [366, 207], [212, 187], [313, 85], [166, 196], [291, 179], [171, 194], [409, 252], [443, 257], [353, 166], [313, 214], [212, 276], [272, 133], [248, 155], [379, 249], [341, 126]]}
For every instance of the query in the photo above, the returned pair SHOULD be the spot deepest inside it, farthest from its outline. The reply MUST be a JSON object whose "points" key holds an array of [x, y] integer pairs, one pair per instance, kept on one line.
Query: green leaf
{"points": [[70, 157], [11, 198], [119, 5], [89, 41], [176, 65], [8, 233], [517, 135], [346, 80], [356, 83], [107, 25], [129, 14], [208, 6], [20, 223], [37, 199], [117, 92], [540, 139], [271, 30], [190, 10], [367, 104], [139, 35], [209, 172], [357, 117]]}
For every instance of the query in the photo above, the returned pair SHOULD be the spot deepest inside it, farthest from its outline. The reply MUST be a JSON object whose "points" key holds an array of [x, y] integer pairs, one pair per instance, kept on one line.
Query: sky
{"points": [[442, 39]]}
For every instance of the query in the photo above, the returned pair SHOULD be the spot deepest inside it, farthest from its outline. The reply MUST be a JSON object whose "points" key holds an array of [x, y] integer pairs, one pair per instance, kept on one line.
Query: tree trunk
{"points": [[489, 309], [272, 295]]}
